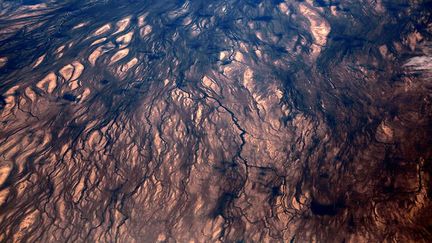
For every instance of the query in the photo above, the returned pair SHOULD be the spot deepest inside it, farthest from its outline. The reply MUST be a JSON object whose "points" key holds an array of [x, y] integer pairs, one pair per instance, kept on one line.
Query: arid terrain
{"points": [[216, 121]]}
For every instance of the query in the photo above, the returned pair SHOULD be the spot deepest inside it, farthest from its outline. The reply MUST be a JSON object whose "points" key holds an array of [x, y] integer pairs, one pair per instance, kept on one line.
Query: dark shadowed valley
{"points": [[216, 121]]}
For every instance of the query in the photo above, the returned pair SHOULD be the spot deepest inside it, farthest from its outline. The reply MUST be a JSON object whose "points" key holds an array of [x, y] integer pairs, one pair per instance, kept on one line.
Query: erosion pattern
{"points": [[204, 121]]}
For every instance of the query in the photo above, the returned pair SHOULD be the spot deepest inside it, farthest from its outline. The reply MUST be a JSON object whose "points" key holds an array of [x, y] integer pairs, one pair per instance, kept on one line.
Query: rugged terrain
{"points": [[204, 121]]}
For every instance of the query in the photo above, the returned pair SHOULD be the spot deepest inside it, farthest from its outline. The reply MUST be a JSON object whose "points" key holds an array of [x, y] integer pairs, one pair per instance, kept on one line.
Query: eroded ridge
{"points": [[207, 121]]}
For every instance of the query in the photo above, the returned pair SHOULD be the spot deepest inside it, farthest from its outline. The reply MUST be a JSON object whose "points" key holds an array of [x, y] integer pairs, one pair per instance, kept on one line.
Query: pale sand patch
{"points": [[238, 56], [46, 139], [94, 138], [30, 93], [122, 24], [3, 61], [122, 70], [319, 27], [181, 97], [129, 65], [283, 7], [166, 82], [98, 41], [39, 61], [60, 52], [92, 177], [79, 189], [243, 47], [211, 84], [61, 210], [413, 39], [4, 195], [119, 55], [72, 71], [125, 39], [161, 237], [187, 21], [85, 94], [12, 90], [383, 50], [29, 11], [213, 227], [24, 226], [39, 6], [95, 55], [228, 70], [74, 85], [259, 35], [5, 170], [279, 93], [79, 68], [79, 26], [141, 20], [157, 142], [333, 10], [67, 71], [102, 30], [223, 55], [60, 49], [144, 31], [420, 63], [199, 112], [384, 133], [51, 80], [195, 30], [248, 79], [258, 53]]}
